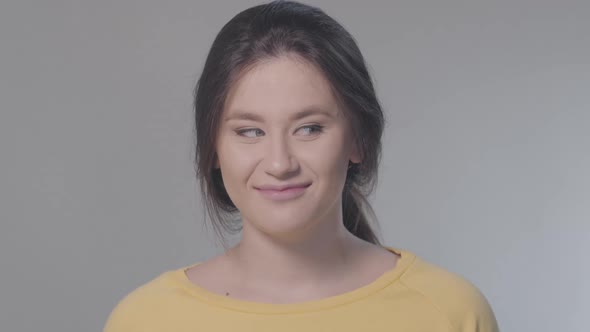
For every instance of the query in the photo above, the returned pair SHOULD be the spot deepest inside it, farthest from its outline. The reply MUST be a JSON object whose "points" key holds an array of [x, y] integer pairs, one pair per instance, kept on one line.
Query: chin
{"points": [[281, 224]]}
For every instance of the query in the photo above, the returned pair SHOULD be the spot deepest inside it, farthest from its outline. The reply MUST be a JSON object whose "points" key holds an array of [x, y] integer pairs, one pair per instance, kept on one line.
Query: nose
{"points": [[280, 161]]}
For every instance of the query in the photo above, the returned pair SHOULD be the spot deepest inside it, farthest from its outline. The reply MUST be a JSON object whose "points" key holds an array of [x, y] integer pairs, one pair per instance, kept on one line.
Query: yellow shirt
{"points": [[415, 296]]}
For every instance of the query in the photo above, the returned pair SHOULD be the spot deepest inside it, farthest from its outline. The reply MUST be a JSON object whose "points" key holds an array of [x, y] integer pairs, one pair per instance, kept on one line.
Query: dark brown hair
{"points": [[269, 31]]}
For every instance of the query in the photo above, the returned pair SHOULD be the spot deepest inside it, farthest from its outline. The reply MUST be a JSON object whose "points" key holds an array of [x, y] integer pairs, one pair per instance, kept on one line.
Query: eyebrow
{"points": [[308, 111]]}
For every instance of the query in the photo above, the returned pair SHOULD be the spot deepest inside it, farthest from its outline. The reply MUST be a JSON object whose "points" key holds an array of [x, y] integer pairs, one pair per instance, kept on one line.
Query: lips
{"points": [[283, 187], [284, 192]]}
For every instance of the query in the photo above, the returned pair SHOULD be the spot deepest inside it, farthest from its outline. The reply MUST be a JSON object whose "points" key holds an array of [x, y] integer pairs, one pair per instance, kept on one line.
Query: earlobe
{"points": [[216, 162], [354, 155]]}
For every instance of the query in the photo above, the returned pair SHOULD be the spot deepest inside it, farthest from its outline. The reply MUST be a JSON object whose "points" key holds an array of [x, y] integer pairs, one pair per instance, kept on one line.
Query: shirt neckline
{"points": [[405, 260]]}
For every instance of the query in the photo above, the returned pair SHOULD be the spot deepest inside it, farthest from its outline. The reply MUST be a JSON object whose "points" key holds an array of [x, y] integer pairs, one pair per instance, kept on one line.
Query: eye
{"points": [[251, 132], [313, 129]]}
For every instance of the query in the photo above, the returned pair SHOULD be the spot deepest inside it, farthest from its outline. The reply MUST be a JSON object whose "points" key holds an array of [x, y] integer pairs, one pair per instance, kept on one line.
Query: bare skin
{"points": [[221, 275], [282, 125]]}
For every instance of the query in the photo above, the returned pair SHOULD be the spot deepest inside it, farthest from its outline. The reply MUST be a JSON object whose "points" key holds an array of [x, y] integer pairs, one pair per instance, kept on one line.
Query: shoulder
{"points": [[133, 310], [464, 305]]}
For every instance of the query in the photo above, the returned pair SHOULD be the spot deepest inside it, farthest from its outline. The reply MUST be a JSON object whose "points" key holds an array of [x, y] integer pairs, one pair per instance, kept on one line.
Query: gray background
{"points": [[485, 168]]}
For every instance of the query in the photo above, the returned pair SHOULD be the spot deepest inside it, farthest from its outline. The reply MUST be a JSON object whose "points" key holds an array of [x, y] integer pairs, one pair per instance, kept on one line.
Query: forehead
{"points": [[280, 87]]}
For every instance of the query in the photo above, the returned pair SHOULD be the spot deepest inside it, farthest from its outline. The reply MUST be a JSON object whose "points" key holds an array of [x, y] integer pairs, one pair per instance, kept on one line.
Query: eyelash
{"points": [[317, 128]]}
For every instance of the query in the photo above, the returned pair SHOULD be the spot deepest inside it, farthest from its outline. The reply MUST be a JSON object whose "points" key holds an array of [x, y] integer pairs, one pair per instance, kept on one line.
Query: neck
{"points": [[315, 258]]}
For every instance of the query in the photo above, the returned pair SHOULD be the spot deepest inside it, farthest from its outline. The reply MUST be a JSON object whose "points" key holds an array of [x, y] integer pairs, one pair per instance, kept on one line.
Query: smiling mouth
{"points": [[284, 193], [283, 187]]}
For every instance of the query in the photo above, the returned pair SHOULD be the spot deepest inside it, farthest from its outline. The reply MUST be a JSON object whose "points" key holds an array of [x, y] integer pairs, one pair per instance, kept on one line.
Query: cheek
{"points": [[232, 156], [230, 152], [236, 166], [327, 155]]}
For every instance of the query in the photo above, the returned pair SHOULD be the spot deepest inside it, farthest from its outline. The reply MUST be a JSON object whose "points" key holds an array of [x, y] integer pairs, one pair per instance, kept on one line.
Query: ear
{"points": [[216, 163], [355, 156]]}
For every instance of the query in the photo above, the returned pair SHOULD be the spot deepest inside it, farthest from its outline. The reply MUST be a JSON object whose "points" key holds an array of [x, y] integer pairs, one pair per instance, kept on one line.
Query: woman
{"points": [[288, 138]]}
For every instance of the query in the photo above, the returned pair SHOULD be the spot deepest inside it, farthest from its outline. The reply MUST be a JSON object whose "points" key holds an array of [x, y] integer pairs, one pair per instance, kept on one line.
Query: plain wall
{"points": [[485, 169]]}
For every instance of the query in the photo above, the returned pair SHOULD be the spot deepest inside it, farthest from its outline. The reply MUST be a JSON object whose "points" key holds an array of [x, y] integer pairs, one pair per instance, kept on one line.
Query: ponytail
{"points": [[355, 208]]}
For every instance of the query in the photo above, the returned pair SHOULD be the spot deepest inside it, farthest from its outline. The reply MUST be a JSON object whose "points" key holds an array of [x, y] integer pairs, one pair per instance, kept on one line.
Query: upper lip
{"points": [[282, 187]]}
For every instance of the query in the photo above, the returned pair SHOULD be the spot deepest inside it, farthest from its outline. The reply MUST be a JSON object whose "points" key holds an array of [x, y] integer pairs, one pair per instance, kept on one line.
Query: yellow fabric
{"points": [[414, 296]]}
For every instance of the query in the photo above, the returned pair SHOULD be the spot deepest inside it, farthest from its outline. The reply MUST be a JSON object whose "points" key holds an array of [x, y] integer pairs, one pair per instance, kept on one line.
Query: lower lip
{"points": [[282, 195]]}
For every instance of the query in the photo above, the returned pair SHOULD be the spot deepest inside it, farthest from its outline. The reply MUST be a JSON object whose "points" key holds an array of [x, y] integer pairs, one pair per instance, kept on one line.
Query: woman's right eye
{"points": [[250, 132]]}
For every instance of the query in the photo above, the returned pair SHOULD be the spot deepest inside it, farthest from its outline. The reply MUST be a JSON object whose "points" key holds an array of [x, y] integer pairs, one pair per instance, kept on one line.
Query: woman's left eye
{"points": [[311, 129]]}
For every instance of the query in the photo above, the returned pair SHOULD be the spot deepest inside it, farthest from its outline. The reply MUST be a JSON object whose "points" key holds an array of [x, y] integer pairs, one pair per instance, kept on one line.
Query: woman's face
{"points": [[281, 126]]}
